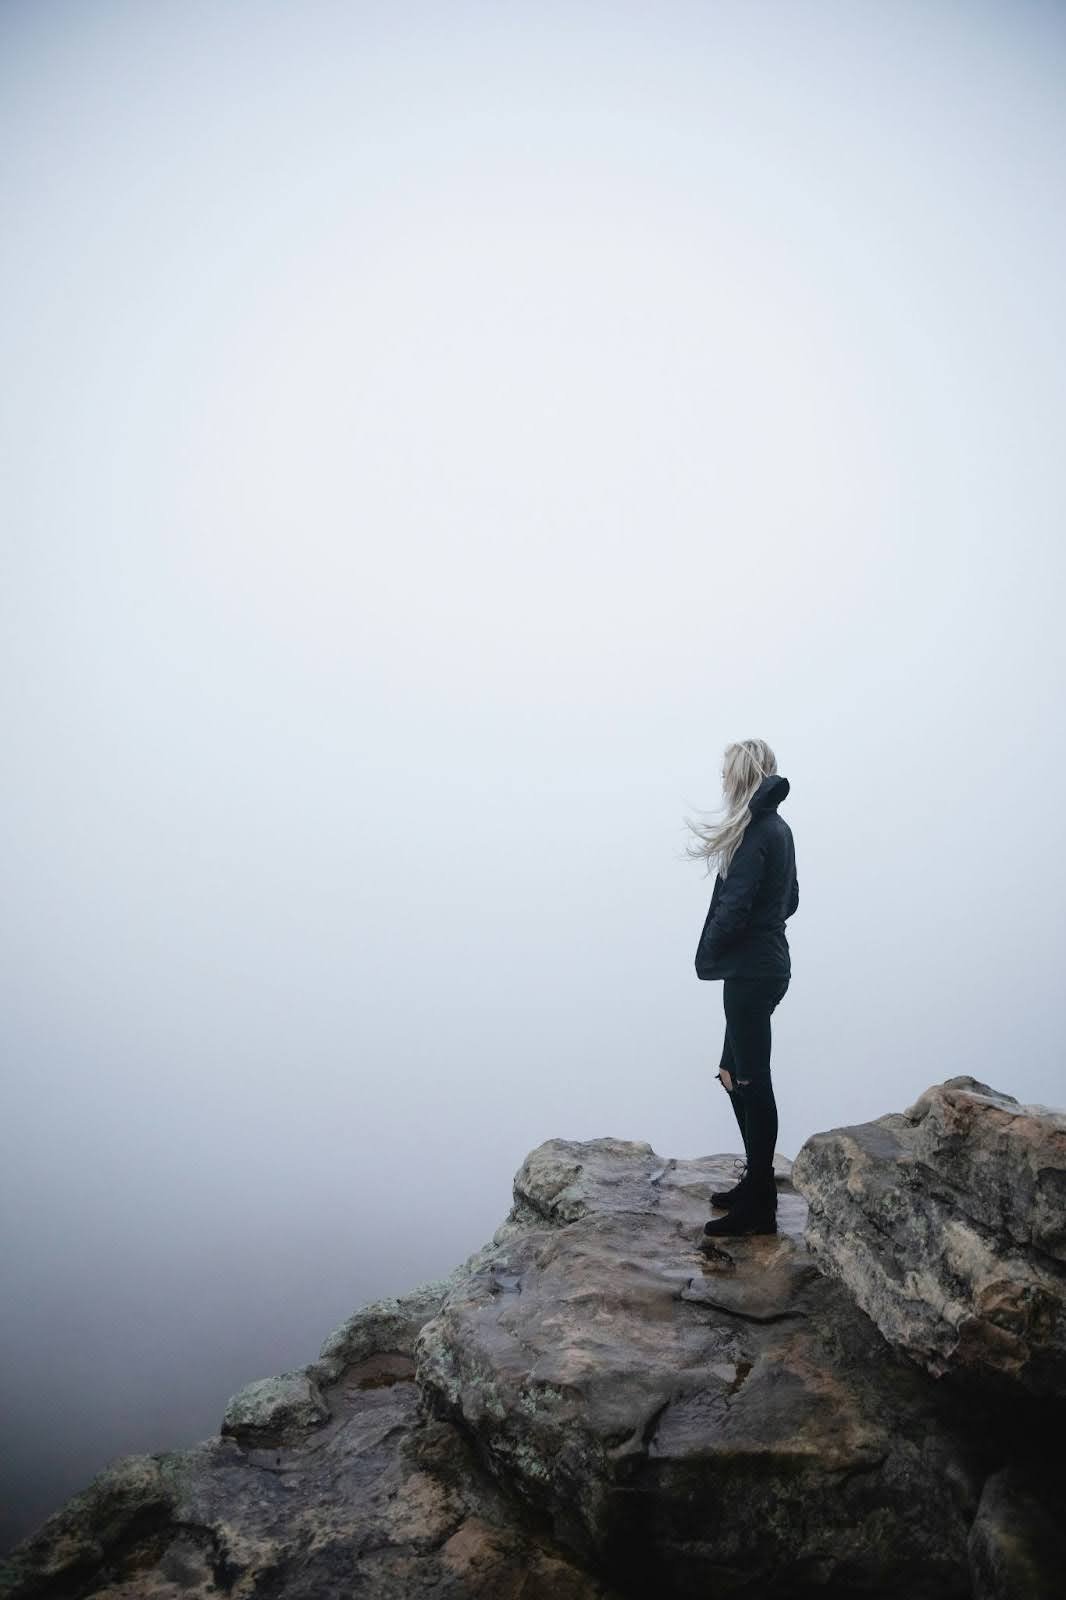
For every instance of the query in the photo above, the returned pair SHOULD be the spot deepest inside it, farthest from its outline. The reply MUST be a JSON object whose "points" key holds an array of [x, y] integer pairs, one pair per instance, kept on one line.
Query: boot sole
{"points": [[746, 1232]]}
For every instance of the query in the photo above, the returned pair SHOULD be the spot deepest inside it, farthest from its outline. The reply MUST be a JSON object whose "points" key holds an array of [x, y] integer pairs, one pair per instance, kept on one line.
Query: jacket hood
{"points": [[770, 793]]}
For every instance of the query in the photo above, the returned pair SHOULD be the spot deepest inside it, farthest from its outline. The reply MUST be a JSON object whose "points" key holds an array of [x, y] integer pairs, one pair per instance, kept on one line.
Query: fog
{"points": [[431, 434]]}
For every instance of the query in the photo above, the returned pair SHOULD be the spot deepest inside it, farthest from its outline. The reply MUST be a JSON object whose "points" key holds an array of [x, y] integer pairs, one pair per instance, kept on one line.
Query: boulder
{"points": [[264, 1411], [947, 1224]]}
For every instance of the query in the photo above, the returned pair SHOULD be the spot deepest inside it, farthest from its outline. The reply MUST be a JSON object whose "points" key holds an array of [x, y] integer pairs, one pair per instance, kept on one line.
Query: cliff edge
{"points": [[868, 1403]]}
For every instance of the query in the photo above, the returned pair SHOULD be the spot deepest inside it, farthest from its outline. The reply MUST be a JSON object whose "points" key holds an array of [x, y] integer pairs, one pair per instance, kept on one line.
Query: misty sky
{"points": [[429, 435]]}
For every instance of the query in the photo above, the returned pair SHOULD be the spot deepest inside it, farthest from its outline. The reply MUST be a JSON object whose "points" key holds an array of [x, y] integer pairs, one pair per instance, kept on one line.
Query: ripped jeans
{"points": [[744, 1071]]}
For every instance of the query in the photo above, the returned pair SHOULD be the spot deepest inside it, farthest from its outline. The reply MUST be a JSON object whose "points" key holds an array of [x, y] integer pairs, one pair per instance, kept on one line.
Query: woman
{"points": [[743, 942]]}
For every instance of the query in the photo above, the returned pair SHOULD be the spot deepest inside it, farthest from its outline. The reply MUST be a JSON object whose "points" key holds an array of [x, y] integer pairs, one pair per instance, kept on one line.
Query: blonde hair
{"points": [[744, 766]]}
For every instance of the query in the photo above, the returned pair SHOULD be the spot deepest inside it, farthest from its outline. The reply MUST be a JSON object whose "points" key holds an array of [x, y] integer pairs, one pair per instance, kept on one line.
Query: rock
{"points": [[1005, 1162], [1018, 1543], [688, 1427], [947, 1223], [264, 1411], [393, 1323], [123, 1513], [377, 1500], [589, 1408]]}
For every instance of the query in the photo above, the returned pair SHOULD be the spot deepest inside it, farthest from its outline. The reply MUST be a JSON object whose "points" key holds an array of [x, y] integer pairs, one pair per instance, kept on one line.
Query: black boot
{"points": [[726, 1197], [760, 1136], [730, 1197], [754, 1212]]}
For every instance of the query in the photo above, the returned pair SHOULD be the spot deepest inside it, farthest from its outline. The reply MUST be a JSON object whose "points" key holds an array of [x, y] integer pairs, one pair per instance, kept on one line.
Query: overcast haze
{"points": [[430, 434]]}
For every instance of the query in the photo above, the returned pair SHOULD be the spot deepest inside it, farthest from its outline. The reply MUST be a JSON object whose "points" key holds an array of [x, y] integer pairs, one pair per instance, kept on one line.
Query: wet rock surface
{"points": [[375, 1500], [590, 1406]]}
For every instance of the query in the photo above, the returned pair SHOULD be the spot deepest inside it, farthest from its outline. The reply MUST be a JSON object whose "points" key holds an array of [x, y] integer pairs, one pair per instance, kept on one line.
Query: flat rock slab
{"points": [[947, 1224], [704, 1426]]}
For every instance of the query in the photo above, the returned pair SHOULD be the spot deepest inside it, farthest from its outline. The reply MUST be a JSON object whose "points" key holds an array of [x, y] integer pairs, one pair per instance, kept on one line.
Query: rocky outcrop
{"points": [[689, 1425], [324, 1483], [590, 1406], [947, 1224]]}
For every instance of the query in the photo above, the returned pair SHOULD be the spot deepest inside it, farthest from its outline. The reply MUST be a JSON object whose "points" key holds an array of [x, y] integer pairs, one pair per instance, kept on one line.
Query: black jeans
{"points": [[748, 1003]]}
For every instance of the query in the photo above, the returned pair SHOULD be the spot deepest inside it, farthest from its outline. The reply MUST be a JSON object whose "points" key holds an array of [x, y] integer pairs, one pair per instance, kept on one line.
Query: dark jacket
{"points": [[744, 934]]}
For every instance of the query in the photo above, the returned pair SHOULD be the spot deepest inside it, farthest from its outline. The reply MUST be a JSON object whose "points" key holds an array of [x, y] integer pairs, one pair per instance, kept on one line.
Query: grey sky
{"points": [[430, 434]]}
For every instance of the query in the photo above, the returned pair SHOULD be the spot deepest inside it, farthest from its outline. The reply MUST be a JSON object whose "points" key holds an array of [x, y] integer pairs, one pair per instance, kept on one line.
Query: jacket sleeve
{"points": [[737, 896], [794, 898]]}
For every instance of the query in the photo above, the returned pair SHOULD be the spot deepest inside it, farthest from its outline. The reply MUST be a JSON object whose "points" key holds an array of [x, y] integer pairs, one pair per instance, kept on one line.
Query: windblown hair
{"points": [[744, 766]]}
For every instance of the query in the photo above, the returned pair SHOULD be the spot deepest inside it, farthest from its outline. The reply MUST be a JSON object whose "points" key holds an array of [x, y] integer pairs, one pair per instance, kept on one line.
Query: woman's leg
{"points": [[727, 1077], [749, 1002]]}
